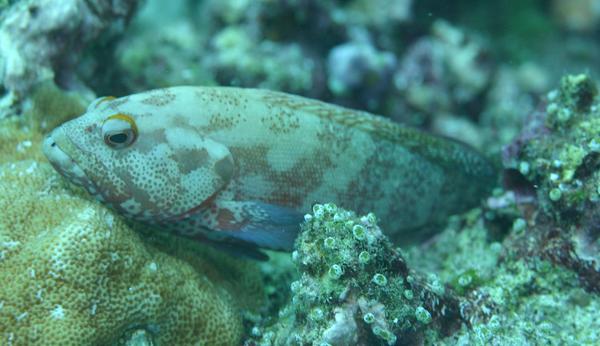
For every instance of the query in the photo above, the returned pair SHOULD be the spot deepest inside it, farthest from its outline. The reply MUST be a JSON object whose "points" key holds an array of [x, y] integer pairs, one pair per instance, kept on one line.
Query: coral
{"points": [[531, 304], [431, 73], [555, 160], [346, 297], [560, 153], [458, 127], [278, 274], [141, 61], [506, 297], [357, 72], [242, 60], [444, 70], [49, 106], [257, 44], [512, 94], [526, 267], [74, 273], [18, 141], [463, 253], [41, 40]]}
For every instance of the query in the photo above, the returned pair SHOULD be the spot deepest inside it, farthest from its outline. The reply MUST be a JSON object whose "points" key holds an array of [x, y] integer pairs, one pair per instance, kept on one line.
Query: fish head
{"points": [[144, 161]]}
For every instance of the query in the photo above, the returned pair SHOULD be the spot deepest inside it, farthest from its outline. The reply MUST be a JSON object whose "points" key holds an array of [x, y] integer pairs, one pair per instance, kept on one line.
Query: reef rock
{"points": [[41, 40]]}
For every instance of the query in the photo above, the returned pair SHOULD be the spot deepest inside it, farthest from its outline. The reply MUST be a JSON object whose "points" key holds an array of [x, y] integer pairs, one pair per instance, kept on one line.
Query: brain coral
{"points": [[72, 273]]}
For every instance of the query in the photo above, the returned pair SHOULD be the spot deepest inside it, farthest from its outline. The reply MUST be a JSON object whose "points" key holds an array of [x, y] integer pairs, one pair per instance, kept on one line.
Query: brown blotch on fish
{"points": [[159, 97], [225, 168], [190, 159]]}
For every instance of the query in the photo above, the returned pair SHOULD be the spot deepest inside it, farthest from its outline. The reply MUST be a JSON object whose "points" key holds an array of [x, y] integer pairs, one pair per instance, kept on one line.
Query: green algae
{"points": [[563, 163], [533, 303], [507, 299], [341, 299]]}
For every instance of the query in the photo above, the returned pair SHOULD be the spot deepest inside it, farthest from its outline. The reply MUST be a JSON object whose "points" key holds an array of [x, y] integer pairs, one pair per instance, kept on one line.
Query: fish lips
{"points": [[61, 161]]}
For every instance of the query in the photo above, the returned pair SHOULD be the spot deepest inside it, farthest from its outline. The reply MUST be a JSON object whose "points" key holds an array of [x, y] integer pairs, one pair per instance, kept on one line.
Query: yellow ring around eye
{"points": [[126, 118], [104, 99]]}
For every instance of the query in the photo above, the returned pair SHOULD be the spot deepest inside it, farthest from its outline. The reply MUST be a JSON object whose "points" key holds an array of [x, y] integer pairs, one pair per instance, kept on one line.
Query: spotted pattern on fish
{"points": [[246, 164]]}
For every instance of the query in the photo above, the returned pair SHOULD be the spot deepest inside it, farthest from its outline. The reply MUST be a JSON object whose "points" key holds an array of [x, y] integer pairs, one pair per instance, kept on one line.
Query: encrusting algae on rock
{"points": [[73, 273], [557, 157], [355, 288]]}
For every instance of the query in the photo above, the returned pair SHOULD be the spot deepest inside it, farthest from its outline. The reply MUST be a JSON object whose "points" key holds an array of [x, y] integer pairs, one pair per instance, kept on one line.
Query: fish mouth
{"points": [[61, 161]]}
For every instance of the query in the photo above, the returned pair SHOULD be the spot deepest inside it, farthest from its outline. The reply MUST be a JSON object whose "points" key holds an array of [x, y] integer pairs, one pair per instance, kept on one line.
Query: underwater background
{"points": [[514, 79]]}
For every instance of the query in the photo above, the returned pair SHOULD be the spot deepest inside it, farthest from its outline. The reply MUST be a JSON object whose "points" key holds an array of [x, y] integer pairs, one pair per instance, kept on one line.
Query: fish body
{"points": [[247, 164]]}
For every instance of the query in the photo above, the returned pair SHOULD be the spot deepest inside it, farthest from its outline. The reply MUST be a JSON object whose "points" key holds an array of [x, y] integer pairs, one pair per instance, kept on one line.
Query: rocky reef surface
{"points": [[521, 269]]}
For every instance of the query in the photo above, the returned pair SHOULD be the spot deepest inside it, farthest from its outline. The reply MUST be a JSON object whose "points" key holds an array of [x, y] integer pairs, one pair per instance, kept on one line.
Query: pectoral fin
{"points": [[257, 223]]}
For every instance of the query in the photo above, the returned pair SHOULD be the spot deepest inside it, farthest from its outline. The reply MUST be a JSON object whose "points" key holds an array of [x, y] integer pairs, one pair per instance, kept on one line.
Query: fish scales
{"points": [[246, 164]]}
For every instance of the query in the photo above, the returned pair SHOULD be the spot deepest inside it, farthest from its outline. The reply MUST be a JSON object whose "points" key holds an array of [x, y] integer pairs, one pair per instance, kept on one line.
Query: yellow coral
{"points": [[19, 142], [73, 273], [50, 106]]}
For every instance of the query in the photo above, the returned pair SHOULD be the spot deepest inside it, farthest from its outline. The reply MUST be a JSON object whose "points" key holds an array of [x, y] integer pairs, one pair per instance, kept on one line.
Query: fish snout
{"points": [[48, 145], [62, 162]]}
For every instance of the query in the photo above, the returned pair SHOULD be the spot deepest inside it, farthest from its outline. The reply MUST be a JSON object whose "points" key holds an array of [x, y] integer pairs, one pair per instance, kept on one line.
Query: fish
{"points": [[243, 166]]}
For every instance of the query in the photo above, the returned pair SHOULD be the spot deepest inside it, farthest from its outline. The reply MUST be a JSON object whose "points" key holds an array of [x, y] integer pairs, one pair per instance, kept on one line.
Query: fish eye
{"points": [[119, 131], [118, 138]]}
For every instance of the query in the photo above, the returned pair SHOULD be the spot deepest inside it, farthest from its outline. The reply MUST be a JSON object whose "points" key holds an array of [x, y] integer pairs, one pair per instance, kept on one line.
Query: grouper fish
{"points": [[243, 166]]}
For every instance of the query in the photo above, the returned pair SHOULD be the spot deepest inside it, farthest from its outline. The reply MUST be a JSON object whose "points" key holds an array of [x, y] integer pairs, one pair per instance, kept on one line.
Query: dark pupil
{"points": [[119, 138]]}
